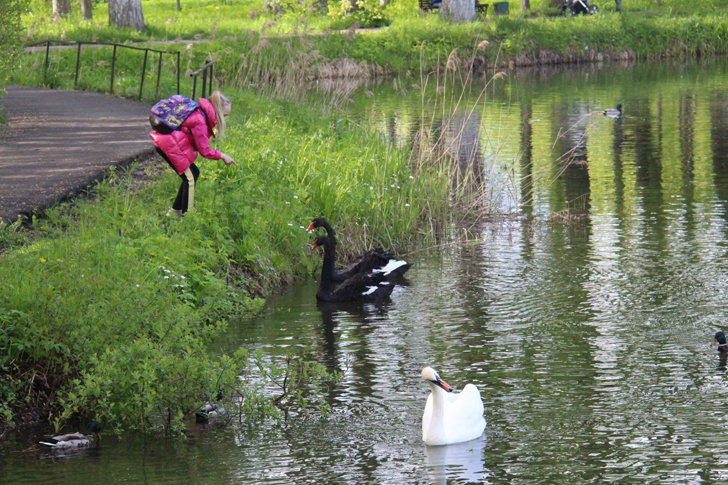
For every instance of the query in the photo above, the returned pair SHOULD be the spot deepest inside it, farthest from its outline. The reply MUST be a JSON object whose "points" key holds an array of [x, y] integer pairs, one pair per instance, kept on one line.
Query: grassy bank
{"points": [[245, 57], [108, 306]]}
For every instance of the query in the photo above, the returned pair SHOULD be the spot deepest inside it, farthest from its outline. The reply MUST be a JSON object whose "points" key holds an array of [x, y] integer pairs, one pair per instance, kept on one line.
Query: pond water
{"points": [[590, 341]]}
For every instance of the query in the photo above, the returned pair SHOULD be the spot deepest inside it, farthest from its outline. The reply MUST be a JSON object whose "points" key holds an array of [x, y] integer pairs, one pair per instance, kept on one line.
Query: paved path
{"points": [[58, 142]]}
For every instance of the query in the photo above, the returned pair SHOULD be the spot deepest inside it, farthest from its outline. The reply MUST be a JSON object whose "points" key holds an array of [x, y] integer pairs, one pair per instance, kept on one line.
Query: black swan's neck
{"points": [[327, 271], [331, 235]]}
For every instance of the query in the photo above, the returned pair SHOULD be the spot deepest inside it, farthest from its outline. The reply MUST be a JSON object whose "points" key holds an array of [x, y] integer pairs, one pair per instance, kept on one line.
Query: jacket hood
{"points": [[209, 110]]}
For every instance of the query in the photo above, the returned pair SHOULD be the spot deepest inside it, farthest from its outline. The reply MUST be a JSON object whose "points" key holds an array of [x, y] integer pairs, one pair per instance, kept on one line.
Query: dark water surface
{"points": [[591, 342]]}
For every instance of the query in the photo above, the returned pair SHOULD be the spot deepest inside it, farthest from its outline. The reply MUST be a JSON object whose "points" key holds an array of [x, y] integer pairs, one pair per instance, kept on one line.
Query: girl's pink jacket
{"points": [[182, 146]]}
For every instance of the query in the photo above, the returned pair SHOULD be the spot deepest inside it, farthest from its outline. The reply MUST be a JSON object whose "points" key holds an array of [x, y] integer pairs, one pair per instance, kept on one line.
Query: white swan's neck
{"points": [[436, 430]]}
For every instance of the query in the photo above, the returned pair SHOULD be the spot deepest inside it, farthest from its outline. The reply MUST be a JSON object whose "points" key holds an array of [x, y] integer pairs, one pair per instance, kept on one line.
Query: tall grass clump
{"points": [[108, 309]]}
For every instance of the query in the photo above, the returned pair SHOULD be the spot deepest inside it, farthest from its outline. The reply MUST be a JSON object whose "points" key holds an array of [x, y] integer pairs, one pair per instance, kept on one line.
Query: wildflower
{"points": [[302, 227], [182, 277], [412, 177], [166, 277], [59, 260], [42, 260], [137, 286], [167, 258], [295, 197], [290, 224], [406, 205], [287, 202], [153, 255]]}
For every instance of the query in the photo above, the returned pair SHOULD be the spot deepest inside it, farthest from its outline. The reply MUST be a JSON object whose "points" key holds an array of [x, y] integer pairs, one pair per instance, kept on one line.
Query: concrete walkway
{"points": [[58, 142]]}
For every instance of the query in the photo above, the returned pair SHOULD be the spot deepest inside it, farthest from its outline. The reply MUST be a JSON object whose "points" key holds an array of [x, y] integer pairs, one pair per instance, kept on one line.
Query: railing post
{"points": [[211, 67], [45, 64], [194, 87], [159, 73], [144, 69], [178, 69], [78, 59], [204, 82], [113, 61]]}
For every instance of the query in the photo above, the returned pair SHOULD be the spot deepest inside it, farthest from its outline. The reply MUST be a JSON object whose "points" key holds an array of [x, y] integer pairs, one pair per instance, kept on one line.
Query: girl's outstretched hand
{"points": [[228, 160]]}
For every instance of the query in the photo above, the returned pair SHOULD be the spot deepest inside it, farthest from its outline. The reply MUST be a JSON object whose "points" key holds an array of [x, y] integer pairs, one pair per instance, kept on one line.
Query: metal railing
{"points": [[203, 70], [113, 61]]}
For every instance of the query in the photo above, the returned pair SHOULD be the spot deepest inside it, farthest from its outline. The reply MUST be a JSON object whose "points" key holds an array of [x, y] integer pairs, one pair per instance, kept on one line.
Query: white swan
{"points": [[451, 418]]}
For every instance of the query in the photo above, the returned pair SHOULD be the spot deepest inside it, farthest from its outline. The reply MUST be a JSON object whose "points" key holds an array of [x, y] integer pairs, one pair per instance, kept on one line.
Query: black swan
{"points": [[375, 260], [360, 287]]}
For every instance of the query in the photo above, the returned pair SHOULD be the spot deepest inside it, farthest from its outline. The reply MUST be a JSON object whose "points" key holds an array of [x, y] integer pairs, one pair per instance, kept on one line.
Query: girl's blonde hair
{"points": [[219, 101]]}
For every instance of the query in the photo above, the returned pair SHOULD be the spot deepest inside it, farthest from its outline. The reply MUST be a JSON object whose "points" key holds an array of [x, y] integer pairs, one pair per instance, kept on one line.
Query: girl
{"points": [[180, 148]]}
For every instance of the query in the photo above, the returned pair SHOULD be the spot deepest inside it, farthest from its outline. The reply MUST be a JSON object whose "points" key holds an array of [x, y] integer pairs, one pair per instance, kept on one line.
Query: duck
{"points": [[209, 411], [377, 260], [451, 418], [365, 287], [613, 112], [76, 440], [722, 344]]}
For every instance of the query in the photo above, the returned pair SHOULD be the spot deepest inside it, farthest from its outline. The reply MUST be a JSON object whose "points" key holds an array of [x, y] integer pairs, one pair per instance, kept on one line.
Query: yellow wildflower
{"points": [[42, 260]]}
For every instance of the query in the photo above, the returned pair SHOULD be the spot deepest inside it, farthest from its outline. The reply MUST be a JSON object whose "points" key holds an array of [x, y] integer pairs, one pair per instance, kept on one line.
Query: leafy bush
{"points": [[363, 13], [10, 28]]}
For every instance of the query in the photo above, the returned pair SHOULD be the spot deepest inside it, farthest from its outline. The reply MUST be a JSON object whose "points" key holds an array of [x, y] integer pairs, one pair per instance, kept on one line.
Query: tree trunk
{"points": [[458, 10], [126, 13], [87, 9], [525, 5], [179, 6], [61, 8]]}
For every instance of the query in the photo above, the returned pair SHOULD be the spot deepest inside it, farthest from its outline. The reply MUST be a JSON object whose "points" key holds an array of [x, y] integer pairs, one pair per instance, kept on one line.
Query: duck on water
{"points": [[76, 440]]}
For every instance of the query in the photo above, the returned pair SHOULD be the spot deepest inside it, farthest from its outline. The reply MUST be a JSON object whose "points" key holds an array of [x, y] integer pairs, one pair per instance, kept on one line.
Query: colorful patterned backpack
{"points": [[169, 114]]}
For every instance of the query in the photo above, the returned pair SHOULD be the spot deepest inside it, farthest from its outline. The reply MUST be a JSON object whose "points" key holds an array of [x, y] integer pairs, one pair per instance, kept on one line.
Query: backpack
{"points": [[169, 114]]}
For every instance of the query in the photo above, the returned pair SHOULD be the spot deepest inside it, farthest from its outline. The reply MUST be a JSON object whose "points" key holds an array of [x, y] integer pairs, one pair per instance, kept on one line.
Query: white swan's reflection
{"points": [[461, 461]]}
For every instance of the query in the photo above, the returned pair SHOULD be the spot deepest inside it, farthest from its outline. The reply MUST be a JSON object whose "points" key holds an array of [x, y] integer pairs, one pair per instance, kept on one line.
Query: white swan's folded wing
{"points": [[467, 414]]}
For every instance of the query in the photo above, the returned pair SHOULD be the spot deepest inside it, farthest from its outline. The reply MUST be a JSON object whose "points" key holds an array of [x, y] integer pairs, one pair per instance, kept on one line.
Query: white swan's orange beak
{"points": [[310, 227], [447, 387]]}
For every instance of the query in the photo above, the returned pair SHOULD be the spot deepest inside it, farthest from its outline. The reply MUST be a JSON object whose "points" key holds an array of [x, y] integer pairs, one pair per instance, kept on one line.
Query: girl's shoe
{"points": [[176, 212]]}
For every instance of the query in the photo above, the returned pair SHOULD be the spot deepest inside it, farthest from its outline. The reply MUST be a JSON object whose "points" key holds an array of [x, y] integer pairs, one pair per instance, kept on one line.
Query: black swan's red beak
{"points": [[310, 228], [314, 246]]}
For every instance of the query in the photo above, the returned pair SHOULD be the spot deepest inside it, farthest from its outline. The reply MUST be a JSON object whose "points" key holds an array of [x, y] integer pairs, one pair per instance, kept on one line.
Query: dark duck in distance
{"points": [[364, 287], [613, 112], [722, 344], [375, 260]]}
